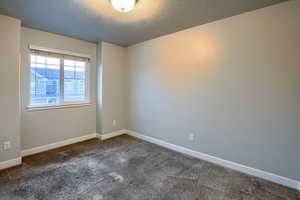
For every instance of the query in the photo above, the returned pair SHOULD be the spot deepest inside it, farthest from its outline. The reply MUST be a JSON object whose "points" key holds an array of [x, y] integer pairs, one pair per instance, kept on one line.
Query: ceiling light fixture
{"points": [[123, 5]]}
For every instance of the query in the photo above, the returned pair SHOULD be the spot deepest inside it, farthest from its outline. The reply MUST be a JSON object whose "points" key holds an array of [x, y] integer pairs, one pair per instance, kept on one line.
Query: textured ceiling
{"points": [[95, 20]]}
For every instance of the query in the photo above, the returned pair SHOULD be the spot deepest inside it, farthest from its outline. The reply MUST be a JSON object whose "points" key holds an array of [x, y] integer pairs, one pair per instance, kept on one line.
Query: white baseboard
{"points": [[47, 147], [10, 163], [225, 163], [111, 135]]}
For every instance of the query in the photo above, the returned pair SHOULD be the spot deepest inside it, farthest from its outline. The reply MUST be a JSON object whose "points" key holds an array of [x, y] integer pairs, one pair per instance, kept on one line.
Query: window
{"points": [[58, 79]]}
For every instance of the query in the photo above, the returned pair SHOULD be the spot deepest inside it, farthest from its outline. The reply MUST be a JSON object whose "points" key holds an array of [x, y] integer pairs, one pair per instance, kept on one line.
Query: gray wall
{"points": [[9, 86], [45, 127], [234, 83], [113, 59], [99, 89]]}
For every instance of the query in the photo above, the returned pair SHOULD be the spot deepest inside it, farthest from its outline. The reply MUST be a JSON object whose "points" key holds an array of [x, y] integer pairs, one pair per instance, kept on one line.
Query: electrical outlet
{"points": [[191, 136], [6, 145], [114, 122]]}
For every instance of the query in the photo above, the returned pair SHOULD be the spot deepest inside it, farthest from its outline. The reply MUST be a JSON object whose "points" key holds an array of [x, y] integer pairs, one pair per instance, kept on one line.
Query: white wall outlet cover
{"points": [[114, 122], [6, 145], [191, 136]]}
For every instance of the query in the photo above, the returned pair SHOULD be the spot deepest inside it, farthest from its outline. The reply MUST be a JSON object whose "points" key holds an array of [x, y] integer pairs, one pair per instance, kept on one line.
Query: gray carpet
{"points": [[125, 168]]}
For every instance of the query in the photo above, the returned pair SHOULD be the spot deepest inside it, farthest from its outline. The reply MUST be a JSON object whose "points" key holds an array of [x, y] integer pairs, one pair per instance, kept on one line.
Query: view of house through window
{"points": [[74, 80], [57, 80]]}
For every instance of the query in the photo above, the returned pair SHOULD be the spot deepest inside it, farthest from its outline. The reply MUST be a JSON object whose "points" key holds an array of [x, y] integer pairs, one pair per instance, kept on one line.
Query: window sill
{"points": [[54, 107]]}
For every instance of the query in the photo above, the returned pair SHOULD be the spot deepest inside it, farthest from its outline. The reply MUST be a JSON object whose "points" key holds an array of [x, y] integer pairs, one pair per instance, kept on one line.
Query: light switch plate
{"points": [[6, 145]]}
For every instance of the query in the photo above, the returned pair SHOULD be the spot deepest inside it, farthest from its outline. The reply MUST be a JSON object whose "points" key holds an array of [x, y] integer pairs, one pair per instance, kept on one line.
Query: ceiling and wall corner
{"points": [[96, 20], [113, 58]]}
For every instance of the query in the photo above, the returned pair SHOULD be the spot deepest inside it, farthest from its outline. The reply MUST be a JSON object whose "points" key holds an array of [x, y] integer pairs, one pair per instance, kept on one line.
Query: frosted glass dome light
{"points": [[123, 5]]}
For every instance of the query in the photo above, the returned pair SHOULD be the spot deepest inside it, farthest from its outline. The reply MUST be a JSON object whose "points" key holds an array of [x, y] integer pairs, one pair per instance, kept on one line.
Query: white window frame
{"points": [[62, 104]]}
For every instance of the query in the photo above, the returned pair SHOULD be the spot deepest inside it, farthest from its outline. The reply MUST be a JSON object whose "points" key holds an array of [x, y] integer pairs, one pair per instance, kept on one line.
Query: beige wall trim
{"points": [[225, 163], [107, 136], [10, 163], [47, 147]]}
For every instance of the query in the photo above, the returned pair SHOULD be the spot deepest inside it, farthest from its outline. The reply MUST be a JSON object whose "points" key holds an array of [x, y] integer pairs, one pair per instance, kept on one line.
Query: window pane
{"points": [[33, 58], [80, 64], [69, 62], [69, 72], [40, 59], [52, 61], [74, 81], [74, 90], [45, 81], [80, 70]]}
